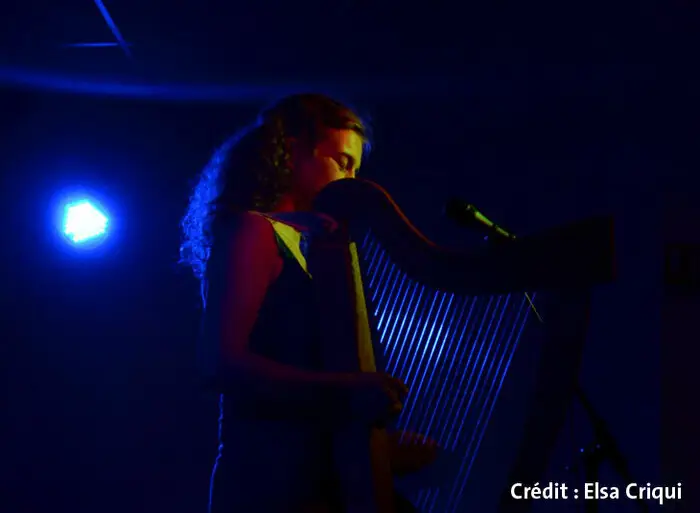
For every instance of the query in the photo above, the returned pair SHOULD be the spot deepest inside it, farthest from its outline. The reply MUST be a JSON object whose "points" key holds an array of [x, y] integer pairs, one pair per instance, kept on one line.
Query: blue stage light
{"points": [[84, 222]]}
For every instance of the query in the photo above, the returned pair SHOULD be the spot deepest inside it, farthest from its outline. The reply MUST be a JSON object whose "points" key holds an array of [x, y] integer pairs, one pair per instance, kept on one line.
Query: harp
{"points": [[449, 323]]}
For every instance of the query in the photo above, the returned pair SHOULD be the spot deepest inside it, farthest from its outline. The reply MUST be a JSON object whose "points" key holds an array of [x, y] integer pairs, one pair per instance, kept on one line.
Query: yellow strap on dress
{"points": [[291, 237]]}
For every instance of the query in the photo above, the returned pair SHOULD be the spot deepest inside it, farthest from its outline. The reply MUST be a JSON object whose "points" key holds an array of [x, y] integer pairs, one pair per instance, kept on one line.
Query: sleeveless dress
{"points": [[282, 466], [277, 466]]}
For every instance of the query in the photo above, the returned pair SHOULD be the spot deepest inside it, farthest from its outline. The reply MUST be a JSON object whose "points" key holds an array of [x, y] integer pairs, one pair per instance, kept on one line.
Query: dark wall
{"points": [[104, 412], [680, 449]]}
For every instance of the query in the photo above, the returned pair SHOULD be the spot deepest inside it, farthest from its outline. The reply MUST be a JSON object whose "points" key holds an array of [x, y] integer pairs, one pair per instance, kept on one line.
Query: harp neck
{"points": [[570, 256]]}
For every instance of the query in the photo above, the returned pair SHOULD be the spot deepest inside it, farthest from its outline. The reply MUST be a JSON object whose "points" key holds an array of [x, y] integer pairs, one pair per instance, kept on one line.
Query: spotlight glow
{"points": [[83, 222]]}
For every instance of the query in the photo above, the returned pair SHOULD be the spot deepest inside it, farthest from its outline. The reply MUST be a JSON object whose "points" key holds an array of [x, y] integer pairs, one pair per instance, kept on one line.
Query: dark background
{"points": [[539, 114]]}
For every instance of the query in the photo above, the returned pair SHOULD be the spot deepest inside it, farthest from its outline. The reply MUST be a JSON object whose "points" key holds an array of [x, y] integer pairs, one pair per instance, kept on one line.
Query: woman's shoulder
{"points": [[246, 250], [304, 222], [244, 225], [245, 233]]}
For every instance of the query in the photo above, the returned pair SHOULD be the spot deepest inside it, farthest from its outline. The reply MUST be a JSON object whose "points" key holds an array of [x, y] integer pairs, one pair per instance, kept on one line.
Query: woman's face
{"points": [[337, 155]]}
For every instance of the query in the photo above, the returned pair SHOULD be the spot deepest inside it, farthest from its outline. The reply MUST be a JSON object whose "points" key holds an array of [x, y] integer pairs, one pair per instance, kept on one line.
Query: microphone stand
{"points": [[604, 447], [500, 237]]}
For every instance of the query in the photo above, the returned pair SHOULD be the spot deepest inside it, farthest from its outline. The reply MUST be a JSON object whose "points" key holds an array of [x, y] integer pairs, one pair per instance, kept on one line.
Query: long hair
{"points": [[251, 170]]}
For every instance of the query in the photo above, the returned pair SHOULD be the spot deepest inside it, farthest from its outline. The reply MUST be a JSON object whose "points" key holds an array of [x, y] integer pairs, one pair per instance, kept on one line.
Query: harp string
{"points": [[397, 325], [434, 376], [439, 393], [453, 351], [472, 367], [402, 354], [391, 327], [415, 374], [449, 382], [509, 341]]}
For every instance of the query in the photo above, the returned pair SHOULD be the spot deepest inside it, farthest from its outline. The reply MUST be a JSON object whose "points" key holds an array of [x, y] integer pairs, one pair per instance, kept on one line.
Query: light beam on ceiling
{"points": [[107, 44], [113, 27]]}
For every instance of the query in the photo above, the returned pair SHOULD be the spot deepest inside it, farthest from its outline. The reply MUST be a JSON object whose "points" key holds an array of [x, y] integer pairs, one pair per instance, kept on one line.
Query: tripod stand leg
{"points": [[562, 353]]}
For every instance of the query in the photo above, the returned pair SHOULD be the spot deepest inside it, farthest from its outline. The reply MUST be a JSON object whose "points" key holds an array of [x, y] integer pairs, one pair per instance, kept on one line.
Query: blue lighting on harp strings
{"points": [[454, 352]]}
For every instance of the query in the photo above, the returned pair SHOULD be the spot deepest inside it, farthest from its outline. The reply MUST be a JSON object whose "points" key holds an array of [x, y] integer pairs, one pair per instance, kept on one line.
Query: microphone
{"points": [[467, 215]]}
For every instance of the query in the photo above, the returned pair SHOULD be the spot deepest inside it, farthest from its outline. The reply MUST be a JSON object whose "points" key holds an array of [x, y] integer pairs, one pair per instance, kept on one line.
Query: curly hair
{"points": [[251, 170]]}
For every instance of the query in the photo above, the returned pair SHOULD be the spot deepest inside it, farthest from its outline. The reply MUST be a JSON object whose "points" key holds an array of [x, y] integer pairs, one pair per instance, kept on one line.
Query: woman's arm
{"points": [[242, 273]]}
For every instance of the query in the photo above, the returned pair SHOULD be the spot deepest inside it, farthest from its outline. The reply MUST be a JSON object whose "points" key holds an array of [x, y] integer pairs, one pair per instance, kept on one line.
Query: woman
{"points": [[245, 235]]}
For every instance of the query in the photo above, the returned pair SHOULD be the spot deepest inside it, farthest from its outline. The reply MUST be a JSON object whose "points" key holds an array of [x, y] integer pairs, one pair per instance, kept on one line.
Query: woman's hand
{"points": [[410, 452], [375, 396]]}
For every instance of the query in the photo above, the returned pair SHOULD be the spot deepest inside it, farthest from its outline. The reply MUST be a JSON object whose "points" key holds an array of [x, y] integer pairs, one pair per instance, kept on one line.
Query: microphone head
{"points": [[468, 216], [459, 211]]}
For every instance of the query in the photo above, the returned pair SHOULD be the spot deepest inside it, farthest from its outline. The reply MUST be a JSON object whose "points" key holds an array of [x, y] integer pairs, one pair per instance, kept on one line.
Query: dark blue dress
{"points": [[274, 466], [277, 466]]}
